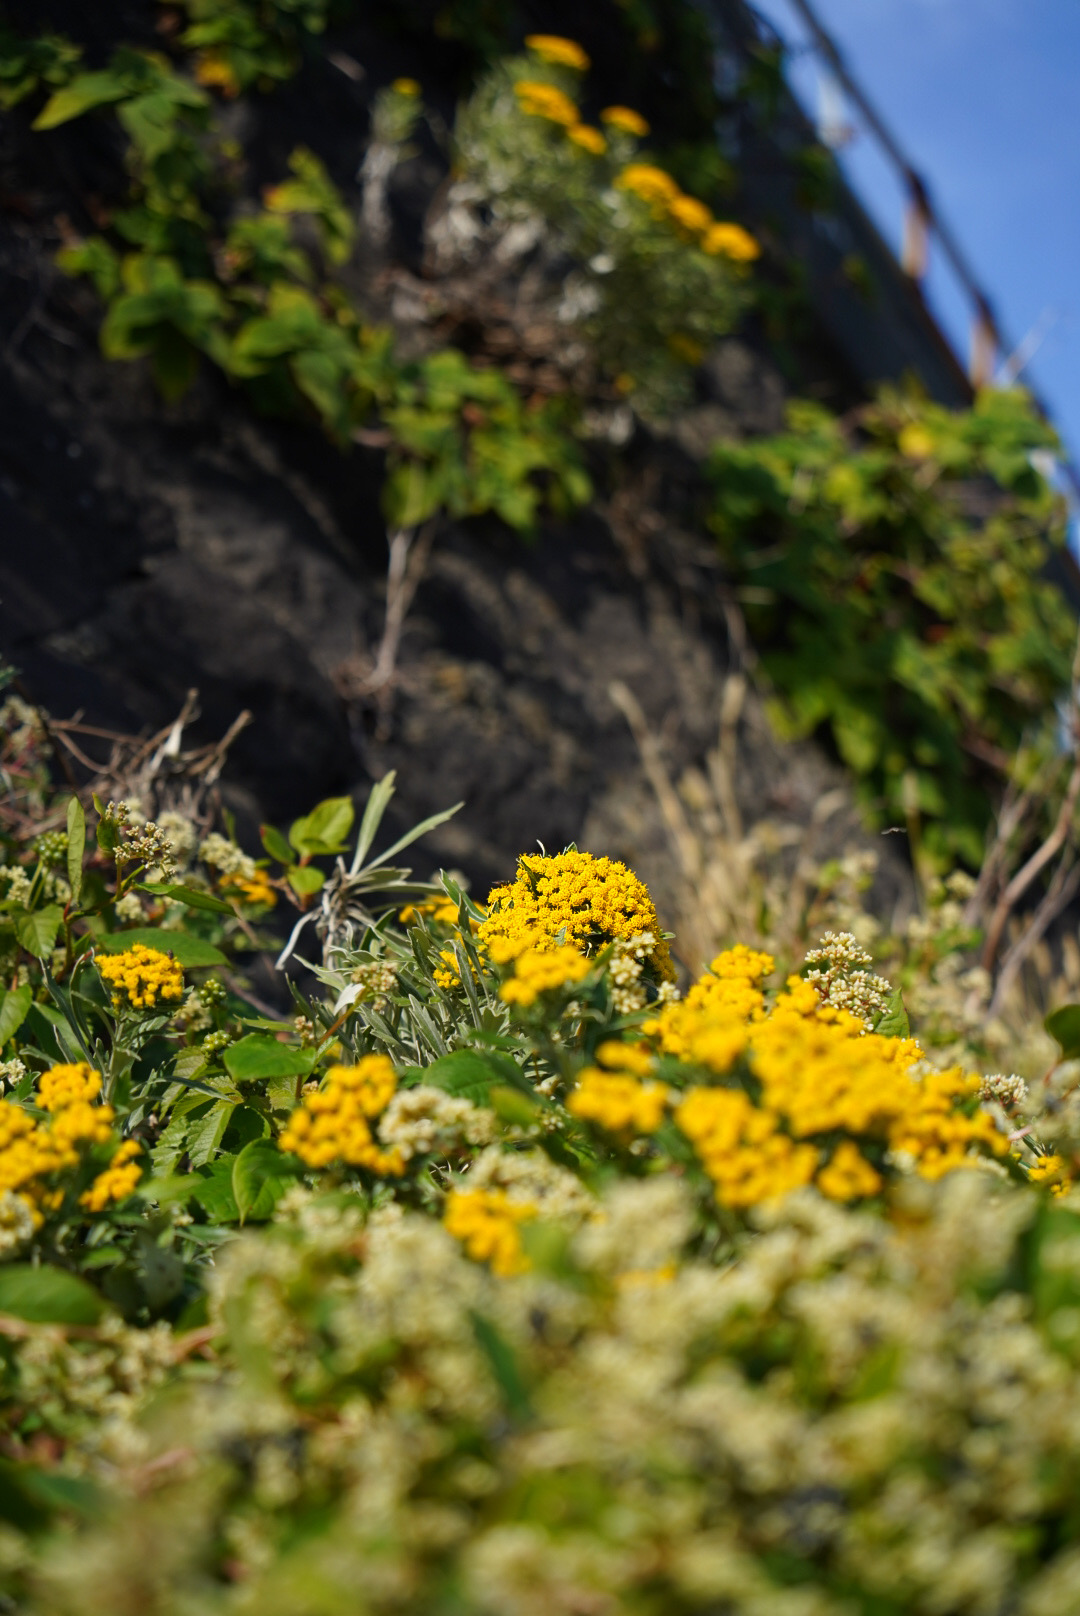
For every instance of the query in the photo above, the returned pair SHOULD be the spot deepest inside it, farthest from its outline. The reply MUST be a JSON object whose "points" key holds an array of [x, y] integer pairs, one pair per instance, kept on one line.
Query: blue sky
{"points": [[984, 96]]}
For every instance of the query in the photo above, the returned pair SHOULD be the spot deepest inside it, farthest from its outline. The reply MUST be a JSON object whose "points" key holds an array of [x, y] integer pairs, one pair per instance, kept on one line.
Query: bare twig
{"points": [[1028, 871], [1058, 895]]}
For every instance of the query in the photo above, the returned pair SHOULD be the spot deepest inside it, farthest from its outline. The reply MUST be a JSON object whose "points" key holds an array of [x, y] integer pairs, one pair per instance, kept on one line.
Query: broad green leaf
{"points": [[471, 1076], [47, 1295], [324, 830], [76, 829], [184, 949], [1063, 1025], [84, 93], [259, 1056], [260, 1176], [894, 1023], [204, 1139], [275, 844], [13, 1010], [194, 897], [37, 930], [212, 1189], [305, 879]]}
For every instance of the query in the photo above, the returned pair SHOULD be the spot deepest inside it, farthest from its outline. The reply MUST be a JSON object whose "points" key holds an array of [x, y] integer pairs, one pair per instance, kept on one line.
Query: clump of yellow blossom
{"points": [[742, 1148], [252, 889], [118, 1180], [1050, 1172], [487, 1221], [571, 897], [558, 51], [915, 442], [650, 183], [691, 214], [620, 1057], [214, 70], [442, 910], [546, 101], [140, 976], [618, 1102], [626, 119], [709, 1026], [588, 137], [333, 1124], [407, 87], [33, 1153], [849, 1176], [731, 241], [539, 971]]}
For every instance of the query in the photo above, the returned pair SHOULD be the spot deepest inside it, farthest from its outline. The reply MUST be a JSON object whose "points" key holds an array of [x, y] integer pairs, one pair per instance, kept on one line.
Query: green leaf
{"points": [[84, 93], [13, 1011], [305, 879], [211, 1187], [76, 829], [417, 831], [502, 1360], [275, 844], [37, 930], [378, 800], [260, 1176], [47, 1295], [471, 1076], [258, 1056], [510, 1105], [204, 1139], [324, 830], [184, 949], [1063, 1025], [894, 1023], [106, 831], [192, 896]]}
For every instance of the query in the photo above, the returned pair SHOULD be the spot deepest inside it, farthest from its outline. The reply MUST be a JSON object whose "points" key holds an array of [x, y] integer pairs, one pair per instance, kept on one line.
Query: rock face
{"points": [[146, 549]]}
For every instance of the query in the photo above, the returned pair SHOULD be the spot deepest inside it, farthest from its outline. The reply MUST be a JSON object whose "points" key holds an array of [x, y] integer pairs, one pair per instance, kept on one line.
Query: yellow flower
{"points": [[214, 70], [626, 119], [253, 889], [583, 134], [62, 1086], [1050, 1172], [731, 241], [332, 1125], [915, 442], [542, 971], [140, 976], [620, 1057], [545, 101], [443, 910], [486, 1222], [849, 1175], [558, 51], [408, 87], [118, 1180], [650, 183], [571, 897], [742, 1148], [691, 214], [618, 1102]]}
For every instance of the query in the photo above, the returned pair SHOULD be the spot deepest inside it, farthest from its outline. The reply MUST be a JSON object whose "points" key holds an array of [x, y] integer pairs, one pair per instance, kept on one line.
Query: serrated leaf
{"points": [[259, 1056], [204, 1139], [76, 829], [192, 896], [186, 950], [1063, 1025], [47, 1295], [260, 1176], [14, 1006], [37, 930]]}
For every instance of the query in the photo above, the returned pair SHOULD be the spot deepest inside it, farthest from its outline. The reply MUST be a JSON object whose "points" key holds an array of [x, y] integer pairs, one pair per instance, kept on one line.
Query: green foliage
{"points": [[28, 64], [892, 568], [245, 44]]}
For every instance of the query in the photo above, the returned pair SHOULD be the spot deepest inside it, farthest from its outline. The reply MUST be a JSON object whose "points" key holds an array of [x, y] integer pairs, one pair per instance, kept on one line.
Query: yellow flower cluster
{"points": [[252, 889], [118, 1180], [571, 897], [743, 1149], [487, 1222], [442, 910], [333, 1124], [541, 100], [820, 1073], [32, 1153], [140, 976], [618, 1102], [588, 137], [1050, 1172], [558, 51], [626, 120], [719, 238], [541, 971]]}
